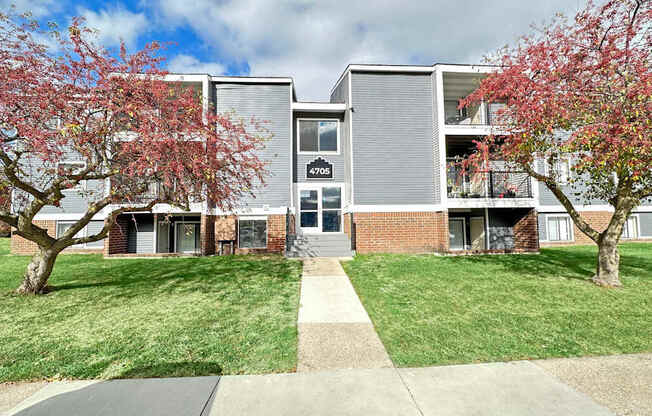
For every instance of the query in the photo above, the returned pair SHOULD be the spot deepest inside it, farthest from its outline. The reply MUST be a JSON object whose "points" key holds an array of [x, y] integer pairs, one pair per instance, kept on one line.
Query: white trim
{"points": [[68, 217], [250, 211], [560, 208], [291, 153], [155, 242], [252, 217], [443, 173], [467, 129], [326, 107], [490, 203], [638, 227], [176, 236], [252, 80], [463, 233], [319, 187], [467, 68], [330, 152], [395, 208]]}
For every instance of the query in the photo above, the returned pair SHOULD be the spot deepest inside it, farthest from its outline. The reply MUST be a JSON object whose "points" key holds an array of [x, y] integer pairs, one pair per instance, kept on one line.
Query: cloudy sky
{"points": [[311, 41]]}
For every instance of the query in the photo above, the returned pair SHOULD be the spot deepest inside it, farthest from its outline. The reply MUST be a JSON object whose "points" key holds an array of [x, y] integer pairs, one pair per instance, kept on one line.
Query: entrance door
{"points": [[477, 233], [456, 228], [320, 209], [187, 237]]}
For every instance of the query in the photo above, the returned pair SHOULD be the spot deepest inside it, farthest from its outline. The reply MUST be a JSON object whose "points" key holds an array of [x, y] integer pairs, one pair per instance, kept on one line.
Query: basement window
{"points": [[252, 232], [559, 228]]}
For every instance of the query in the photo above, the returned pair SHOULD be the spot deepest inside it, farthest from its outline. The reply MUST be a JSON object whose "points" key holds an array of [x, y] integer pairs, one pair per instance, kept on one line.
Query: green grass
{"points": [[431, 310], [121, 318]]}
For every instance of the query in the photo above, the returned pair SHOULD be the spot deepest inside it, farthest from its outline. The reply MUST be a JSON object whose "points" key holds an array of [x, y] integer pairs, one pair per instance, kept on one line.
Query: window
{"points": [[317, 136], [93, 228], [252, 233], [559, 228], [71, 168], [561, 170], [331, 205], [630, 229]]}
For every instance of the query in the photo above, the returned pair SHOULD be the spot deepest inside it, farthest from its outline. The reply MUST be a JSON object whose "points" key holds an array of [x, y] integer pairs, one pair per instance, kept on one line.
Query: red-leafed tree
{"points": [[580, 90], [63, 97]]}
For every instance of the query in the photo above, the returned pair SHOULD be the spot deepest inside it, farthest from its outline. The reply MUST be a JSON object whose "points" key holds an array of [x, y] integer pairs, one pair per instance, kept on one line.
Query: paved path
{"points": [[514, 388], [335, 331]]}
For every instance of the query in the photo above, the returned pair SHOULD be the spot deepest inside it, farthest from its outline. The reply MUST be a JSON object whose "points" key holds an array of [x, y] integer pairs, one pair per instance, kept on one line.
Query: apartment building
{"points": [[371, 170]]}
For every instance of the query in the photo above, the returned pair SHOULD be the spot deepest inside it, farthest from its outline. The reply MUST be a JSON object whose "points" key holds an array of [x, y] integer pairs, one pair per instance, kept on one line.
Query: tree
{"points": [[580, 89], [141, 140]]}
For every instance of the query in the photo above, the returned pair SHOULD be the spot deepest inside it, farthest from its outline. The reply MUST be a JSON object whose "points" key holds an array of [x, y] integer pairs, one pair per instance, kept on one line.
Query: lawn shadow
{"points": [[135, 277], [568, 262], [174, 369]]}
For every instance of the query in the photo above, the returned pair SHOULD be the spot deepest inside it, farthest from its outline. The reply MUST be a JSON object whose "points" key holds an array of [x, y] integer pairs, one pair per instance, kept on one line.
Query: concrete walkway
{"points": [[513, 388], [335, 331]]}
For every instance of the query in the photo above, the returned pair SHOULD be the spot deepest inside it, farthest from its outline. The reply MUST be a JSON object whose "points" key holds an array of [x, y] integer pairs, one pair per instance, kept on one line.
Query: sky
{"points": [[311, 41]]}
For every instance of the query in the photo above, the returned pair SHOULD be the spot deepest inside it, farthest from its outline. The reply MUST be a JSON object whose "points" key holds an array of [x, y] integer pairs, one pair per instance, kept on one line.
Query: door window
{"points": [[456, 233], [331, 209], [309, 208]]}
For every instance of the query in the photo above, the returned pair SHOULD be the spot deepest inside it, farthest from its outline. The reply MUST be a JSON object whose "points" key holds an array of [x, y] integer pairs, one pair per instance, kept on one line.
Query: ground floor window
{"points": [[93, 228], [630, 229], [560, 228], [252, 233]]}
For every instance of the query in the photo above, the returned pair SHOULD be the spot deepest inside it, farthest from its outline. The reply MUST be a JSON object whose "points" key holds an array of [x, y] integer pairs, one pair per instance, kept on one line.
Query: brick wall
{"points": [[400, 232], [526, 233], [207, 235], [116, 242], [19, 245], [226, 229]]}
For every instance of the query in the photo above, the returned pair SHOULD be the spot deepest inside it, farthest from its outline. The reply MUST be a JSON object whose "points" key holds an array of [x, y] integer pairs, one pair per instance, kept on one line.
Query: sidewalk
{"points": [[335, 331], [513, 388]]}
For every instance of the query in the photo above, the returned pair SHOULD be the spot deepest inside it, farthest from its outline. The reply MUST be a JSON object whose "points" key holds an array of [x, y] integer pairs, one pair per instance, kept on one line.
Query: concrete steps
{"points": [[320, 245]]}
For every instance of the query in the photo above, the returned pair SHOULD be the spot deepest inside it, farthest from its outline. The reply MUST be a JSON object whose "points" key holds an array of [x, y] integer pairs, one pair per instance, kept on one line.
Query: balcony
{"points": [[484, 114], [486, 183]]}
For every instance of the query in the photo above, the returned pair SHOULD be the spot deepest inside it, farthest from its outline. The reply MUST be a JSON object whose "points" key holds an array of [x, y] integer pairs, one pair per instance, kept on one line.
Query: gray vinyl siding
{"points": [[645, 224], [94, 227], [546, 197], [341, 95], [271, 103], [140, 237], [541, 218], [301, 160], [392, 138], [436, 151]]}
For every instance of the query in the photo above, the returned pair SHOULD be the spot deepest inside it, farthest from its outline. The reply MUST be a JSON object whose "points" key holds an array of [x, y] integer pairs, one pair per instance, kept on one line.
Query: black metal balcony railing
{"points": [[488, 184]]}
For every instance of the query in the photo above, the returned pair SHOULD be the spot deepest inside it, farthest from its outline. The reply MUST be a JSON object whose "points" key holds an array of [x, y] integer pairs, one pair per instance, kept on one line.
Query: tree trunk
{"points": [[608, 262], [38, 272]]}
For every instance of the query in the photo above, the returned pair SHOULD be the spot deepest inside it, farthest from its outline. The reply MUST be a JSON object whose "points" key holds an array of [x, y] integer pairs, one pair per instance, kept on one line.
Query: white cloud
{"points": [[115, 24], [314, 41], [38, 8], [190, 64]]}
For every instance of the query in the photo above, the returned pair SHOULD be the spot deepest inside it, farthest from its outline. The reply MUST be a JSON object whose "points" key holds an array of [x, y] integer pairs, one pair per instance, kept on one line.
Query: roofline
{"points": [[482, 68]]}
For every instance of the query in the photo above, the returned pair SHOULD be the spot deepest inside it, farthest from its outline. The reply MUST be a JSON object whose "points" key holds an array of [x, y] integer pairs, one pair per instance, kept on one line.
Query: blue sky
{"points": [[311, 41]]}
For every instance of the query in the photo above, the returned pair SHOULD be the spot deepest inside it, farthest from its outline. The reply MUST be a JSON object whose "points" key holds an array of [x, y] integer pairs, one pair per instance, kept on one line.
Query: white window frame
{"points": [[637, 228], [83, 233], [174, 242], [571, 230], [254, 218], [329, 152], [303, 186], [82, 184], [563, 159]]}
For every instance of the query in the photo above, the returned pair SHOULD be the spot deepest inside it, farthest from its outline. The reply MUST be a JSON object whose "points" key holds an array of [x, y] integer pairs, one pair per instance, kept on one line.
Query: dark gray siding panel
{"points": [[542, 227], [341, 95], [140, 237], [301, 160], [271, 103], [645, 219], [392, 138]]}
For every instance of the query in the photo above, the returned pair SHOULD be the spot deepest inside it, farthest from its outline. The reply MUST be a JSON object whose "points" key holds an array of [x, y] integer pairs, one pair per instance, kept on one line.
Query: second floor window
{"points": [[318, 136]]}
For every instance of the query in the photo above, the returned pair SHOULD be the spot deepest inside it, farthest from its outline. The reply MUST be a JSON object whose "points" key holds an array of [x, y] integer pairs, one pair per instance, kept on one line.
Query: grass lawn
{"points": [[122, 318], [431, 310]]}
